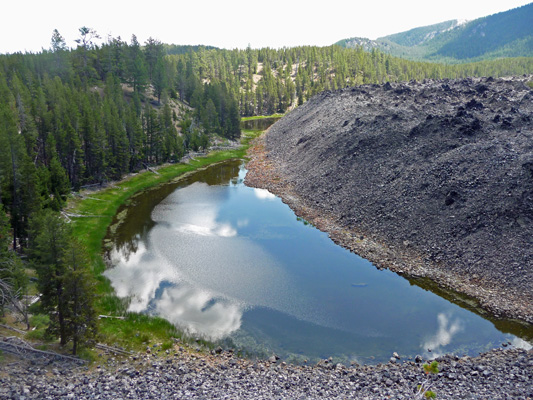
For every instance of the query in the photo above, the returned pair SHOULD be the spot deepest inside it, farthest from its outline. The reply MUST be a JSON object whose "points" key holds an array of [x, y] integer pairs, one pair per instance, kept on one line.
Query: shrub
{"points": [[424, 390]]}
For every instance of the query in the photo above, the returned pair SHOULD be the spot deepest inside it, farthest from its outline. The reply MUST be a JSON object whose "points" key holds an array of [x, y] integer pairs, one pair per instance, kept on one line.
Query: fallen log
{"points": [[110, 316], [115, 350], [13, 329], [25, 350]]}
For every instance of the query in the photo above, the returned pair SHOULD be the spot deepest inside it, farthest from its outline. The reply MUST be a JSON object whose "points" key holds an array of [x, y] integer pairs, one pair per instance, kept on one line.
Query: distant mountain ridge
{"points": [[506, 34], [420, 36]]}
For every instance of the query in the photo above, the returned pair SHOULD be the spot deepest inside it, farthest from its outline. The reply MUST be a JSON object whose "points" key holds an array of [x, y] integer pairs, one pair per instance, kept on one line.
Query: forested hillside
{"points": [[269, 80], [418, 36], [506, 34]]}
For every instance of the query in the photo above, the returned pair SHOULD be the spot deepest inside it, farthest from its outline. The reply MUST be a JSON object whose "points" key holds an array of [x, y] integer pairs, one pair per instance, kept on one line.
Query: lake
{"points": [[259, 124], [234, 265]]}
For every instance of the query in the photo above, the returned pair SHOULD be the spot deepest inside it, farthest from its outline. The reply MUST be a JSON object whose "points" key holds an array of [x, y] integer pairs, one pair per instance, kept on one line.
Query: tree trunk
{"points": [[61, 315], [15, 198]]}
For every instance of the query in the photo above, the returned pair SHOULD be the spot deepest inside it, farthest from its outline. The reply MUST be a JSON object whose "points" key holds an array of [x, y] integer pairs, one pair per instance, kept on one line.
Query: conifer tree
{"points": [[160, 80], [79, 296], [18, 184], [85, 55], [49, 241], [135, 137], [153, 53], [13, 280], [136, 68], [65, 281]]}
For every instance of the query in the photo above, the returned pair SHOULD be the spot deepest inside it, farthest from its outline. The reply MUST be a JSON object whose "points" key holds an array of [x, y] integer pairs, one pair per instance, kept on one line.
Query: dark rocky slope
{"points": [[432, 179]]}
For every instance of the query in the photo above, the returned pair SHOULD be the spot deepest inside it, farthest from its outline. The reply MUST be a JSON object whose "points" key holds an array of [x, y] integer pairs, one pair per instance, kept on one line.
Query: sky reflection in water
{"points": [[228, 260]]}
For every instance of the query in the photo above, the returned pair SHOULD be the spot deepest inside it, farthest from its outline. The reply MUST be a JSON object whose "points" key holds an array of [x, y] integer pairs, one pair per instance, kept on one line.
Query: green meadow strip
{"points": [[261, 117], [92, 213]]}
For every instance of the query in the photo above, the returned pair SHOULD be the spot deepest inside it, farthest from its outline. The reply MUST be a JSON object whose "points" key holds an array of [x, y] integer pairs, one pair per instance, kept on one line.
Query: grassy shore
{"points": [[261, 117], [92, 212]]}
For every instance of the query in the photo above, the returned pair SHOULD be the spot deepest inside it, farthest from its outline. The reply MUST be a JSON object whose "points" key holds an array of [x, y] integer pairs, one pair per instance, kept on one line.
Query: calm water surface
{"points": [[259, 124], [233, 264]]}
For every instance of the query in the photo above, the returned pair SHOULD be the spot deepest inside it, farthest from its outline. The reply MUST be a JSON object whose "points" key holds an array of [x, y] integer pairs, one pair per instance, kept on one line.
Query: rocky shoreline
{"points": [[292, 160], [180, 374]]}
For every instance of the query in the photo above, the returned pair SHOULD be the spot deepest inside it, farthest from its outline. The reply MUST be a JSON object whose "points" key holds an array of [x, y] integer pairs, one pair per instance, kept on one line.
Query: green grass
{"points": [[261, 117], [137, 331], [99, 208], [40, 324]]}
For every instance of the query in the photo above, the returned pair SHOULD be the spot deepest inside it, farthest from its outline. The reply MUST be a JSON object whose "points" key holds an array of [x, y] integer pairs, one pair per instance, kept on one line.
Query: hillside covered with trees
{"points": [[506, 34]]}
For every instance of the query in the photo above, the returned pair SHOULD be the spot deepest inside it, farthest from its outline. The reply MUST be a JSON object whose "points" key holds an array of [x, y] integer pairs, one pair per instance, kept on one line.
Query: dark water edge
{"points": [[515, 327], [259, 124]]}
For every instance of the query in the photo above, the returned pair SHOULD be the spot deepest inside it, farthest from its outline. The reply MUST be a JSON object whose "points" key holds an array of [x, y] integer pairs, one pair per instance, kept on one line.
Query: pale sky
{"points": [[27, 25]]}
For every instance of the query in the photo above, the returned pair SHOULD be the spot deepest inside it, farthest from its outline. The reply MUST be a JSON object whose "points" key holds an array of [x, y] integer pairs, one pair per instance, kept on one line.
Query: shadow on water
{"points": [[515, 327], [259, 124]]}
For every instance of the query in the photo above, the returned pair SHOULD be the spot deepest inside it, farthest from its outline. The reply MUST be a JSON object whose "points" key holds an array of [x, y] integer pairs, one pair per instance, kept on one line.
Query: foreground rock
{"points": [[180, 375], [429, 179]]}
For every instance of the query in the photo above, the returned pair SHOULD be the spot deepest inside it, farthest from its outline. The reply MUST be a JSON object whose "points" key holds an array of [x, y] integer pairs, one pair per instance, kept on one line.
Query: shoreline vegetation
{"points": [[91, 213], [256, 117]]}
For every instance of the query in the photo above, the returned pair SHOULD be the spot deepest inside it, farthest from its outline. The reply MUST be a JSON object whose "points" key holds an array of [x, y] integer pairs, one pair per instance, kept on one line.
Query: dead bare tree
{"points": [[5, 292], [8, 295]]}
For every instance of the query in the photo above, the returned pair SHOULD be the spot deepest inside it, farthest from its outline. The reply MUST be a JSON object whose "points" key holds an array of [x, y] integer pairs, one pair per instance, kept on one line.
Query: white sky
{"points": [[27, 25]]}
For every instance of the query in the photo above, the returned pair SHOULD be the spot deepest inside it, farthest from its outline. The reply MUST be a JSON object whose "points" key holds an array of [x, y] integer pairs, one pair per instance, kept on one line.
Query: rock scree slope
{"points": [[430, 178]]}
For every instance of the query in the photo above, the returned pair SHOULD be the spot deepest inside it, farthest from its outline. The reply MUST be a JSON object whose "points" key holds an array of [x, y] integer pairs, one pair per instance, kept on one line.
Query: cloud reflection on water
{"points": [[263, 194], [521, 344], [209, 253], [189, 247], [199, 312], [443, 337], [193, 237], [222, 230], [139, 277], [198, 217]]}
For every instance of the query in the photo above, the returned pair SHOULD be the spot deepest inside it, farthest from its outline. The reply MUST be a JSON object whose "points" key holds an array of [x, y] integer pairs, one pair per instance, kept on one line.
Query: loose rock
{"points": [[198, 376]]}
